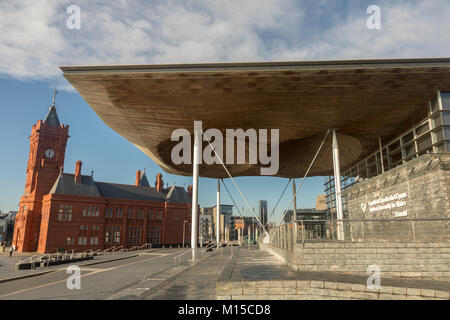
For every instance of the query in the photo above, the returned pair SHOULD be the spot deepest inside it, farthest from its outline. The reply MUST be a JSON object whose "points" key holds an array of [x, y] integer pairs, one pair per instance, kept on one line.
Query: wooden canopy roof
{"points": [[362, 100]]}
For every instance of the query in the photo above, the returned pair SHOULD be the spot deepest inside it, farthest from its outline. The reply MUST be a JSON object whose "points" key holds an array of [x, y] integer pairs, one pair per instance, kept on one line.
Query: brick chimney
{"points": [[78, 165], [159, 183], [138, 178], [189, 190]]}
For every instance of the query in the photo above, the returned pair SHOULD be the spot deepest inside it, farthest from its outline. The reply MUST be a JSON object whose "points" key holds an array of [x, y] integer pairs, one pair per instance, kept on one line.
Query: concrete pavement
{"points": [[98, 281]]}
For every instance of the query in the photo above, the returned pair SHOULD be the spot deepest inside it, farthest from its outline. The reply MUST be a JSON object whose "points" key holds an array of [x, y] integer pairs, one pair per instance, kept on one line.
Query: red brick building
{"points": [[61, 211]]}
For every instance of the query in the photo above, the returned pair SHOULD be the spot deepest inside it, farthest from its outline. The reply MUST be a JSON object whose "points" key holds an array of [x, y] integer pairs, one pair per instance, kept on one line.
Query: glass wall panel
{"points": [[394, 145], [422, 129], [396, 158], [434, 104], [440, 147], [436, 120], [446, 118], [447, 132], [407, 138], [438, 135], [445, 98], [424, 142], [409, 150]]}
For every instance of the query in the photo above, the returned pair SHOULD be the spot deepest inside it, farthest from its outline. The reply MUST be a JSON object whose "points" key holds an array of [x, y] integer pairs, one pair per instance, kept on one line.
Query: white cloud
{"points": [[34, 39]]}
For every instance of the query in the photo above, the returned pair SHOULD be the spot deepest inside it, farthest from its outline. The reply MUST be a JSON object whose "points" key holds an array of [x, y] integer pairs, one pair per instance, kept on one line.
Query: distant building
{"points": [[205, 228], [226, 227], [263, 212], [247, 227], [313, 229], [62, 211], [7, 226], [321, 202]]}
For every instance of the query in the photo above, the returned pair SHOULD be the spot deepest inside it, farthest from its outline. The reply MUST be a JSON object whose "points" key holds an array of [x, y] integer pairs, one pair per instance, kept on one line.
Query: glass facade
{"points": [[431, 135]]}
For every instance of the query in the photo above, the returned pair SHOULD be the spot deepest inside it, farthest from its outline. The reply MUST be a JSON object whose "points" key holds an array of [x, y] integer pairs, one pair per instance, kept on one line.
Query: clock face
{"points": [[49, 153]]}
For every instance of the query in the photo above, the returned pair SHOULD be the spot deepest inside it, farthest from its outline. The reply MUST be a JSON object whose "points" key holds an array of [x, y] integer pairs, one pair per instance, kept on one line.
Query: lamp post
{"points": [[184, 228]]}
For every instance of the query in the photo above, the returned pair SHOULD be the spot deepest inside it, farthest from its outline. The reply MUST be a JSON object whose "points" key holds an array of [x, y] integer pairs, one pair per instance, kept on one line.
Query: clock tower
{"points": [[48, 142]]}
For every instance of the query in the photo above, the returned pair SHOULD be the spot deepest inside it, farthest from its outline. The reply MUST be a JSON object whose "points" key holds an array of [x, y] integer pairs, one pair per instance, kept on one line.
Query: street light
{"points": [[184, 228]]}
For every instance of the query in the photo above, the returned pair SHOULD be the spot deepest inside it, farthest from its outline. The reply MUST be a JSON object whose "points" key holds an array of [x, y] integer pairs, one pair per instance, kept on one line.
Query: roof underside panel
{"points": [[362, 100]]}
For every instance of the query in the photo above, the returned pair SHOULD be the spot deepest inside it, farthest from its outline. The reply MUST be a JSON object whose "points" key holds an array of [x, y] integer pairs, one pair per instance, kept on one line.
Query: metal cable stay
{"points": [[232, 199], [306, 174], [279, 199], [234, 182]]}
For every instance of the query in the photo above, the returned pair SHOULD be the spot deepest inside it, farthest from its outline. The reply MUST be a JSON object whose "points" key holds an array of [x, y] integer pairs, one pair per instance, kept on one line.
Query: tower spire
{"points": [[52, 117]]}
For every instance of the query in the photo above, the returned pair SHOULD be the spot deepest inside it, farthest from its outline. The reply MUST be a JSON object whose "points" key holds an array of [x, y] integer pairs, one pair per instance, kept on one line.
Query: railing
{"points": [[358, 230], [144, 246], [46, 259], [109, 250]]}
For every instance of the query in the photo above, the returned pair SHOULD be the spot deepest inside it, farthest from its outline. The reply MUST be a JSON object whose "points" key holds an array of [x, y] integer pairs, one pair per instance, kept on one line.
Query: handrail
{"points": [[375, 220], [279, 234]]}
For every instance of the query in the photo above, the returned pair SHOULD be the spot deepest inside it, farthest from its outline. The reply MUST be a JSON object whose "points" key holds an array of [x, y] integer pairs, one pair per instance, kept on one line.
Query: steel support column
{"points": [[218, 213], [195, 167], [294, 211], [381, 154], [337, 188]]}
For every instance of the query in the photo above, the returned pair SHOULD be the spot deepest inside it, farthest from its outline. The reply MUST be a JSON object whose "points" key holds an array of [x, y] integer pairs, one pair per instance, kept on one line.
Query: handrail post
{"points": [[303, 235]]}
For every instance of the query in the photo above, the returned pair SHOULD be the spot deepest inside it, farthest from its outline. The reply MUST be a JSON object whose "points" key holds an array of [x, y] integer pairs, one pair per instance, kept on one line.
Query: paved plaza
{"points": [[167, 274]]}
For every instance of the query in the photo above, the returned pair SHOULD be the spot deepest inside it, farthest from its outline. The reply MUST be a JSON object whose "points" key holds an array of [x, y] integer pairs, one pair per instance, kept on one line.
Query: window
{"points": [[153, 235], [83, 227], [82, 241], [116, 234], [108, 235], [134, 235], [119, 213], [150, 214], [91, 211], [112, 235], [109, 212], [130, 213], [159, 214], [93, 241], [65, 212], [140, 213], [176, 215]]}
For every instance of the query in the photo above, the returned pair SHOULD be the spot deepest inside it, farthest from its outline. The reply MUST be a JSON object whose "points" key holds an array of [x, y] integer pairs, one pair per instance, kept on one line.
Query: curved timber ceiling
{"points": [[362, 100]]}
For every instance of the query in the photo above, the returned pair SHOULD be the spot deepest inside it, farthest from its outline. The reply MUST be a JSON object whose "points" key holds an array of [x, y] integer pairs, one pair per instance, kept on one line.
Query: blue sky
{"points": [[34, 42]]}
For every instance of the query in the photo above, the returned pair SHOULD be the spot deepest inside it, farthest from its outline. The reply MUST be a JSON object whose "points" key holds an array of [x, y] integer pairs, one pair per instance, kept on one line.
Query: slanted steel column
{"points": [[337, 187], [195, 166], [294, 212], [218, 213], [381, 154]]}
